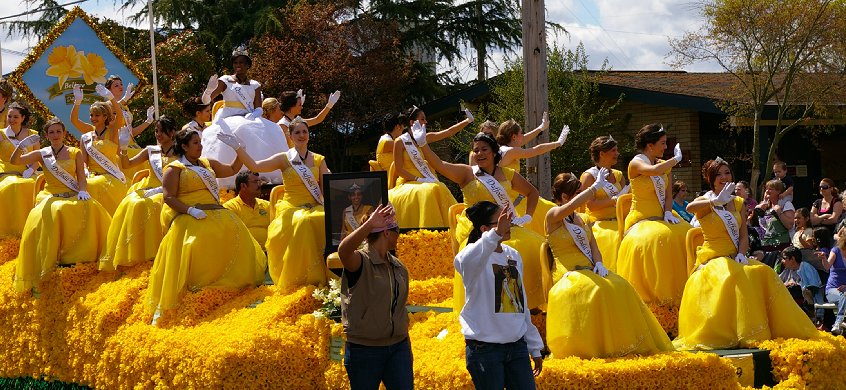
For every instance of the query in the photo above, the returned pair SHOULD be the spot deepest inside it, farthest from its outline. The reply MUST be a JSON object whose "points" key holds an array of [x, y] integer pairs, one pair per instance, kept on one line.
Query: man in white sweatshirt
{"points": [[497, 328]]}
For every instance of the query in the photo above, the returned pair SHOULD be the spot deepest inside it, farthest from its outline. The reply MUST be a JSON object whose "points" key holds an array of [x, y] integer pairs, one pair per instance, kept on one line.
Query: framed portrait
{"points": [[349, 199]]}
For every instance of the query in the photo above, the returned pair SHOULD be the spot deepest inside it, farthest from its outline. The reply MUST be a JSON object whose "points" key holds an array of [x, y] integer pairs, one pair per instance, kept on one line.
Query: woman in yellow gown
{"points": [[17, 182], [652, 254], [392, 125], [205, 245], [592, 313], [602, 213], [135, 232], [731, 301], [296, 238], [66, 226], [291, 106], [511, 140], [99, 146], [480, 182], [421, 201], [115, 85]]}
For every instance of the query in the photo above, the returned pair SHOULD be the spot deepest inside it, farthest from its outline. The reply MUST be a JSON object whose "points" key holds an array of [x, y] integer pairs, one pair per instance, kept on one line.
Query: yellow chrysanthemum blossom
{"points": [[93, 68], [64, 63]]}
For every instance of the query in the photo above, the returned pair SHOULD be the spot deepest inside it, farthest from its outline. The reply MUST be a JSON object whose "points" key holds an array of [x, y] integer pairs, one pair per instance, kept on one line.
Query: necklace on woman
{"points": [[100, 134], [492, 173], [19, 132], [570, 218], [301, 157], [56, 152], [167, 152]]}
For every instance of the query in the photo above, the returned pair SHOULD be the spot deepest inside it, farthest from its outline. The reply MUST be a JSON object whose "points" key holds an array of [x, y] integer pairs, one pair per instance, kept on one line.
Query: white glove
{"points": [[333, 98], [210, 87], [601, 180], [670, 218], [151, 114], [196, 213], [544, 121], [83, 195], [230, 140], [124, 135], [426, 180], [725, 196], [677, 154], [522, 221], [600, 269], [153, 191], [77, 94], [255, 114], [563, 136], [30, 141], [469, 115], [418, 131], [741, 258], [128, 92], [102, 91], [301, 96]]}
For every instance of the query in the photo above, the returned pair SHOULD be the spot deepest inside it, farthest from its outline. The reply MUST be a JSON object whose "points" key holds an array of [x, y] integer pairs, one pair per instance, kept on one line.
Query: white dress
{"points": [[262, 137]]}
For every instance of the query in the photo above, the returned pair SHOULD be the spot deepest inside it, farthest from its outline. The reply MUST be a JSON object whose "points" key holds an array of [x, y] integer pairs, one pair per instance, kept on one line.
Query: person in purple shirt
{"points": [[836, 286]]}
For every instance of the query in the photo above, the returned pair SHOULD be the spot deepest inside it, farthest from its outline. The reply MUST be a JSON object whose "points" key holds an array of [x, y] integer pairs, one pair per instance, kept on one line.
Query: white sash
{"points": [[156, 163], [238, 90], [100, 158], [497, 190], [417, 158], [305, 175], [10, 135], [207, 176], [349, 215], [56, 170], [728, 219], [657, 182], [581, 239], [610, 189]]}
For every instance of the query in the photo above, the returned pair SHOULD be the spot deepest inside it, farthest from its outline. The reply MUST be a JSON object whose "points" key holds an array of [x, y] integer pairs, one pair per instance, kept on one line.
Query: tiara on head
{"points": [[241, 50], [661, 130], [719, 160], [354, 187]]}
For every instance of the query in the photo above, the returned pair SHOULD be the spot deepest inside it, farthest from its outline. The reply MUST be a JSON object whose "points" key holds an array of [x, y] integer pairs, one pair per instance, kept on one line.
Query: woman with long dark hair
{"points": [[17, 182]]}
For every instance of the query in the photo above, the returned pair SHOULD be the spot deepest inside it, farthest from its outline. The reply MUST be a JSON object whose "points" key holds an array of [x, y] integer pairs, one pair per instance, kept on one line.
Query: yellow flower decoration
{"points": [[64, 63], [93, 68]]}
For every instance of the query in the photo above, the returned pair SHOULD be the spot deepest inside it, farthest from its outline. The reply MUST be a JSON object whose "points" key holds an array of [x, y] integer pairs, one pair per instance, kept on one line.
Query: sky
{"points": [[631, 35]]}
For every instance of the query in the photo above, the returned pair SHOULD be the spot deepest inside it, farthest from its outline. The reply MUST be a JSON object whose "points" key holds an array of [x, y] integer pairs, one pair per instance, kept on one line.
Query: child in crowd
{"points": [[780, 172]]}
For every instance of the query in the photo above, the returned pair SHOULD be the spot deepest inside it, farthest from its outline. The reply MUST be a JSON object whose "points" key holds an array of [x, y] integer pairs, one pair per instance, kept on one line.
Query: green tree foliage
{"points": [[573, 100], [785, 56]]}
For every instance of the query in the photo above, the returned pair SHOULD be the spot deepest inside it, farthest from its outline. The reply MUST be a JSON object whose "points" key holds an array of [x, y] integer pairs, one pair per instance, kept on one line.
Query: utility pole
{"points": [[535, 89]]}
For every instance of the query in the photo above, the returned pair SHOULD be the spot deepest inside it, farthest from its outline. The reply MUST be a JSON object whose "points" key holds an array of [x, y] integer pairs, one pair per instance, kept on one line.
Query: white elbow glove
{"points": [[77, 94], [255, 114], [333, 98], [124, 135], [210, 87], [418, 131], [522, 221], [601, 179], [563, 136], [301, 96], [725, 196], [670, 218], [741, 258], [102, 91], [196, 213], [149, 193], [230, 140], [83, 195], [677, 153], [151, 114], [600, 269], [27, 142], [128, 92], [469, 115]]}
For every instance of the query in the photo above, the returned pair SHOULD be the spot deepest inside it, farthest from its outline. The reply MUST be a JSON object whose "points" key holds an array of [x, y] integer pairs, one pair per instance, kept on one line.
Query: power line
{"points": [[598, 23], [43, 9], [598, 40]]}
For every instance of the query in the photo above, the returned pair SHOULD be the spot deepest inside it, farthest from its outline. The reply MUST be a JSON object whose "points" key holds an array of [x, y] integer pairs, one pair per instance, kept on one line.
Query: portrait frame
{"points": [[338, 195]]}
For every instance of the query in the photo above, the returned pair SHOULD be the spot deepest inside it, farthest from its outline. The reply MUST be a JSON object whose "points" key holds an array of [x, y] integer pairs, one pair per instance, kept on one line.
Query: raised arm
{"points": [[127, 162], [350, 258], [333, 98], [151, 112], [225, 170], [521, 153], [642, 168], [458, 173], [436, 136], [528, 137], [18, 156], [556, 215], [595, 204], [272, 163]]}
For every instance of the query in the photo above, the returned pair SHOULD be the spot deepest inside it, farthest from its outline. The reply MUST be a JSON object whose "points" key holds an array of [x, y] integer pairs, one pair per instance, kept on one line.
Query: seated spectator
{"points": [[680, 200], [804, 235], [742, 190], [826, 212], [250, 209], [836, 286], [775, 216], [801, 279]]}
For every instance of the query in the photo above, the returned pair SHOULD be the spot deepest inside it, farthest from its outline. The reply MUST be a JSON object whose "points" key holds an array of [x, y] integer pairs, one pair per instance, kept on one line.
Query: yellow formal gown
{"points": [[296, 238], [420, 205], [60, 230], [357, 215], [594, 317], [539, 216], [652, 254], [104, 187], [16, 192], [215, 252], [135, 232], [604, 224], [523, 240], [385, 159], [730, 305]]}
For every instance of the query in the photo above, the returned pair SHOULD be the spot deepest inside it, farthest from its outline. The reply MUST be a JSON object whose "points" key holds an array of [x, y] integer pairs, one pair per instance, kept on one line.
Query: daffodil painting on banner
{"points": [[74, 53]]}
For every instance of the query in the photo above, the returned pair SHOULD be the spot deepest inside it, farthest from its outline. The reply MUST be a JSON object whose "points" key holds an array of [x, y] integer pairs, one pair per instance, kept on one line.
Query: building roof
{"points": [[704, 85]]}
